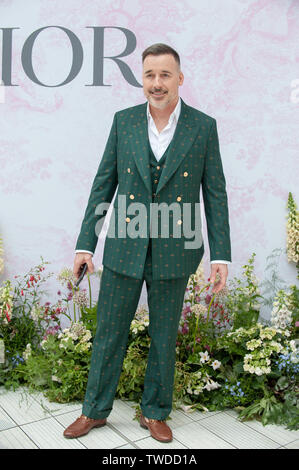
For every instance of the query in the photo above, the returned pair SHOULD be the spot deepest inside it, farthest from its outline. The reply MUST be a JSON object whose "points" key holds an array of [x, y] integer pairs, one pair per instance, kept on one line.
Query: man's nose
{"points": [[157, 82]]}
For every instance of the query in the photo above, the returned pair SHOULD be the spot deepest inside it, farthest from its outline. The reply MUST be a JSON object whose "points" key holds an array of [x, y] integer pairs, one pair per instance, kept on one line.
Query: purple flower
{"points": [[52, 330], [186, 311]]}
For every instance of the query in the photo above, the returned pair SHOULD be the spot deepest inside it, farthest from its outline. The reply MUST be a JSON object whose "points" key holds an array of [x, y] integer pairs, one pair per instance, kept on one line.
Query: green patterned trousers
{"points": [[117, 303]]}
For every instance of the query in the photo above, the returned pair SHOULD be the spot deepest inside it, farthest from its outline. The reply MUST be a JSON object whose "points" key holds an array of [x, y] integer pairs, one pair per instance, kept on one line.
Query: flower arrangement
{"points": [[60, 367], [226, 357]]}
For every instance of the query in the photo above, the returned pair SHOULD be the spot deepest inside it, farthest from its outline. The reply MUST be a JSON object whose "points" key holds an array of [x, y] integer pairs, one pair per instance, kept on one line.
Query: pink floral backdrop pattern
{"points": [[240, 59]]}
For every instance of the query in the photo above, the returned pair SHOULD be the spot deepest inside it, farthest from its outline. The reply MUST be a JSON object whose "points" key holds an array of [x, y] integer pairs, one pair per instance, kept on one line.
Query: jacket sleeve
{"points": [[215, 199], [102, 191]]}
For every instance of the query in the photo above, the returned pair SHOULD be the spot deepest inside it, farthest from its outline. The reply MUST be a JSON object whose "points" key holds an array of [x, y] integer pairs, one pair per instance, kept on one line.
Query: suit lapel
{"points": [[180, 145], [140, 142]]}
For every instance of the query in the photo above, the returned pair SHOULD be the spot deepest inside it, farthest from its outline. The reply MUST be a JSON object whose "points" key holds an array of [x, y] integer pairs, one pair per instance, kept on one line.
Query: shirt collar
{"points": [[174, 115]]}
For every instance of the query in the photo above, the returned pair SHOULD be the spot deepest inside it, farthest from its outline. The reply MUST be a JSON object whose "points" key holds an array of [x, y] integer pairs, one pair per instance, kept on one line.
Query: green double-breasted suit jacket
{"points": [[193, 159]]}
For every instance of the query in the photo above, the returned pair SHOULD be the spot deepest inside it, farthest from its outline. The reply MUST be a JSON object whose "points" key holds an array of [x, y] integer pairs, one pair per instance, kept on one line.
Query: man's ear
{"points": [[181, 78]]}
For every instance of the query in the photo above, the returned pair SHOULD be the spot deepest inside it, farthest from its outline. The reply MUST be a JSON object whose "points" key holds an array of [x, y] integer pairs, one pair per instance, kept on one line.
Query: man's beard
{"points": [[157, 103]]}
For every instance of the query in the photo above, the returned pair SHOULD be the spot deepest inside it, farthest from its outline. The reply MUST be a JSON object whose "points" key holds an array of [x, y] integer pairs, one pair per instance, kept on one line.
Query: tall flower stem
{"points": [[210, 305], [74, 306], [89, 288], [197, 321]]}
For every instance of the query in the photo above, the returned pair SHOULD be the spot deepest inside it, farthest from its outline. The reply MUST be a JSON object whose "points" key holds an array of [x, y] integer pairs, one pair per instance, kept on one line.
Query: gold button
{"points": [[158, 168], [132, 196], [186, 173], [179, 222], [128, 170], [128, 219], [179, 198], [156, 181]]}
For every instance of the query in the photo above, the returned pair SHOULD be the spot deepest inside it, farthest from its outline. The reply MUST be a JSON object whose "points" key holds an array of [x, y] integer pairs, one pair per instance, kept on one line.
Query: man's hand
{"points": [[222, 269], [80, 259]]}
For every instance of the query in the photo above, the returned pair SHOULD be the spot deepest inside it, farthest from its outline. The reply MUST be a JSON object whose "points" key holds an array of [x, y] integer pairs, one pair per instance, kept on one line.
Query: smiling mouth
{"points": [[158, 93]]}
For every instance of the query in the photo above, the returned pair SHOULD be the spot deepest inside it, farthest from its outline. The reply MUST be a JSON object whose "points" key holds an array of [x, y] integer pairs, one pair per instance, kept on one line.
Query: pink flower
{"points": [[297, 324], [186, 311]]}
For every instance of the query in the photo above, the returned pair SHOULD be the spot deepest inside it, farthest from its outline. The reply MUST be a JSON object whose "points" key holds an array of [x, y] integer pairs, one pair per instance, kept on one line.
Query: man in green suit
{"points": [[158, 154]]}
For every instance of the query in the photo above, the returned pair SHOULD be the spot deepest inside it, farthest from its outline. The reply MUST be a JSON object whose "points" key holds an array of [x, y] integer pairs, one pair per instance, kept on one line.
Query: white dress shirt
{"points": [[159, 142]]}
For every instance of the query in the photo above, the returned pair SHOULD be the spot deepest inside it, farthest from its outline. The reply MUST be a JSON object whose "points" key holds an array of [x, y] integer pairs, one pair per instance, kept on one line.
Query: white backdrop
{"points": [[240, 61]]}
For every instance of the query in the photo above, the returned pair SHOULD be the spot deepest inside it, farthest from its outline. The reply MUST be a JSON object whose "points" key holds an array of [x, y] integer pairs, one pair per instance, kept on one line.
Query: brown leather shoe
{"points": [[82, 426], [159, 429]]}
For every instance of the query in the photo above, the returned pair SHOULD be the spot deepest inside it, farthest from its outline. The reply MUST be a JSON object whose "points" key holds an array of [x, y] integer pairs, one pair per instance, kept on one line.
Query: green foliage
{"points": [[242, 300], [89, 318], [269, 410], [130, 386], [61, 373], [225, 358]]}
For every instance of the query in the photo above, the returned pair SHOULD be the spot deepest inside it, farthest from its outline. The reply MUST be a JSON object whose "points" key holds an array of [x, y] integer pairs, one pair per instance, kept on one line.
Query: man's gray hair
{"points": [[159, 49]]}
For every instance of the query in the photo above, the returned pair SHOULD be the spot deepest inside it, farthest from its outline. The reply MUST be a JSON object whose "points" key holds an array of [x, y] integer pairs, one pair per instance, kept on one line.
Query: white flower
{"points": [[27, 352], [293, 345], [199, 309], [66, 275], [281, 315], [56, 379], [216, 364], [86, 337], [253, 344], [204, 356], [292, 228], [187, 408], [36, 313], [80, 298], [211, 385]]}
